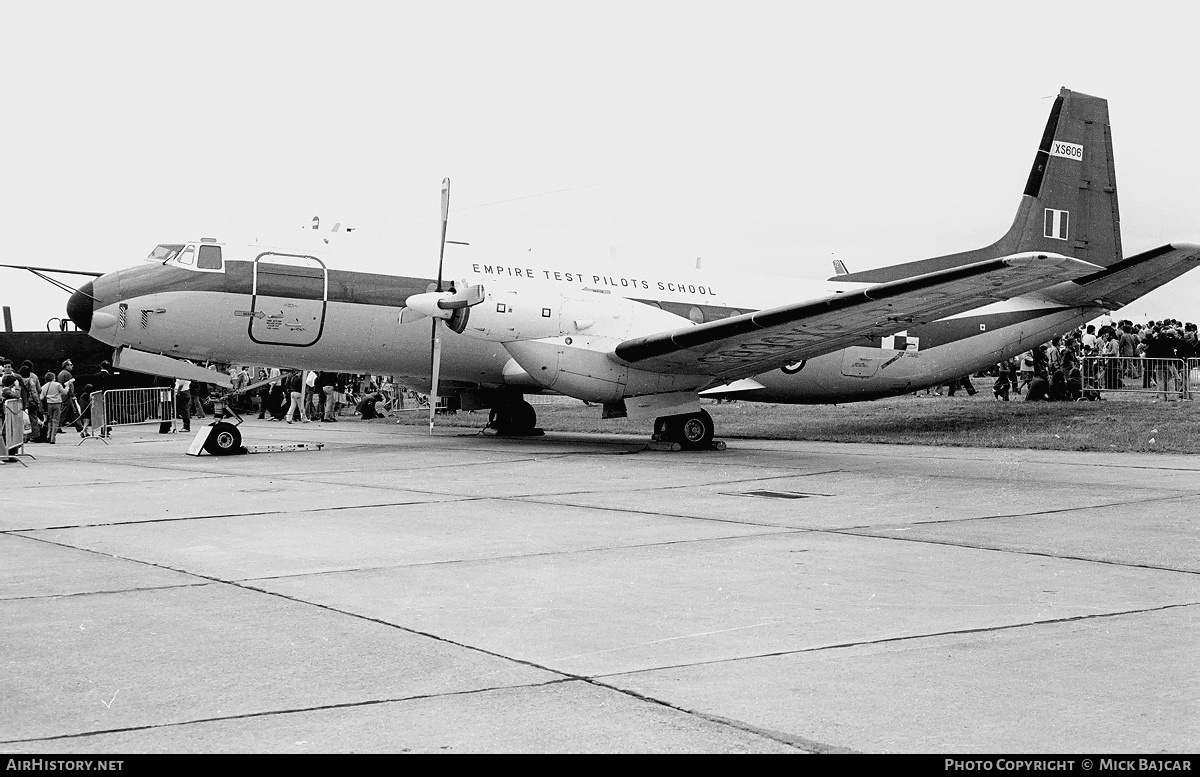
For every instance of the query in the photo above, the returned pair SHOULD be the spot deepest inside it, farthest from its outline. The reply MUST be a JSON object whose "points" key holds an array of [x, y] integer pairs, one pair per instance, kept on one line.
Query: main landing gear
{"points": [[691, 432], [516, 418]]}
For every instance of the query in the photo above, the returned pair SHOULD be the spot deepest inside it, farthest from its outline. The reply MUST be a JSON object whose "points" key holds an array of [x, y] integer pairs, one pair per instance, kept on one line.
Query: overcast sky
{"points": [[762, 137]]}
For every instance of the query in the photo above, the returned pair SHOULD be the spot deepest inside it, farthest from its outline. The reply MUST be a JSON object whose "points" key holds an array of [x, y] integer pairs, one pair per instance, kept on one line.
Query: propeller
{"points": [[451, 307], [436, 344]]}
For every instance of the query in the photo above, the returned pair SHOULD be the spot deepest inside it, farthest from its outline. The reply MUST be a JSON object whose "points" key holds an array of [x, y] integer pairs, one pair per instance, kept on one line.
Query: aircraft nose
{"points": [[79, 306]]}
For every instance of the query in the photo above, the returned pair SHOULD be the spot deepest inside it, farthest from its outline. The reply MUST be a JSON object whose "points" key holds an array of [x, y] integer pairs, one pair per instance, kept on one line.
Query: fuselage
{"points": [[293, 308]]}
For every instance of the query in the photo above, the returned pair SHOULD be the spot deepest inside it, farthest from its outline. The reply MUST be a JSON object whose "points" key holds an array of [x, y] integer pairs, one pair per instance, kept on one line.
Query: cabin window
{"points": [[165, 252], [696, 315], [188, 256], [209, 258]]}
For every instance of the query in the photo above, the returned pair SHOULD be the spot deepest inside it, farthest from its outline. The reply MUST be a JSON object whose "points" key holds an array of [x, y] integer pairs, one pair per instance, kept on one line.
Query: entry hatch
{"points": [[289, 299]]}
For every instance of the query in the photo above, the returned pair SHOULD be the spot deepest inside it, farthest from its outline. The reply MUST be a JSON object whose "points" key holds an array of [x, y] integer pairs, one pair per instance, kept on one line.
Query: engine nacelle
{"points": [[564, 339], [537, 311]]}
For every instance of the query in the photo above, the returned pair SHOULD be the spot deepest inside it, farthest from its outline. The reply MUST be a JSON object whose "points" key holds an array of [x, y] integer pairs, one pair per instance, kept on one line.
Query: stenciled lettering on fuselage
{"points": [[586, 279]]}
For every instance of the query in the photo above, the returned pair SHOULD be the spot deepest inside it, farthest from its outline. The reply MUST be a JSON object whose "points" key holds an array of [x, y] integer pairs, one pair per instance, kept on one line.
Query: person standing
{"points": [[54, 394], [315, 398], [31, 396], [327, 383], [183, 402], [1025, 362], [295, 387]]}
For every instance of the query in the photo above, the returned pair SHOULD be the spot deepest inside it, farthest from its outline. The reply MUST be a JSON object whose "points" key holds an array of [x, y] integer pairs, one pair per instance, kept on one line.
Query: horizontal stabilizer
{"points": [[1127, 280], [753, 343]]}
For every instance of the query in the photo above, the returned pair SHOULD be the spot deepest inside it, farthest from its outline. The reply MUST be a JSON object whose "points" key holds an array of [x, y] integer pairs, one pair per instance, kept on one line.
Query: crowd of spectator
{"points": [[294, 396], [52, 401], [1108, 356]]}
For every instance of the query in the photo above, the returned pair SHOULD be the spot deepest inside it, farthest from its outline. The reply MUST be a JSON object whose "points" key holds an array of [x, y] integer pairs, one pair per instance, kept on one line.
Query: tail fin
{"points": [[1070, 202]]}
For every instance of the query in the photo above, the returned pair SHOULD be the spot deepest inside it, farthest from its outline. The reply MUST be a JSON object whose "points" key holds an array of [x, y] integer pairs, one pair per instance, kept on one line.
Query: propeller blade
{"points": [[445, 218], [437, 368], [435, 349]]}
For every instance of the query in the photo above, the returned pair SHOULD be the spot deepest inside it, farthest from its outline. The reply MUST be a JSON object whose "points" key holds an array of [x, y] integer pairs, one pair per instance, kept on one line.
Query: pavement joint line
{"points": [[1014, 551], [515, 557], [1055, 510], [904, 638], [562, 675], [73, 594], [110, 482], [783, 737], [975, 453], [547, 499], [708, 484], [172, 519], [287, 711]]}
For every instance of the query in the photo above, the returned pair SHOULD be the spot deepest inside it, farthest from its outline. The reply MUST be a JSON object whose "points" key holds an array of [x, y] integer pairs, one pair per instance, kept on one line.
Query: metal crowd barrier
{"points": [[122, 407], [1124, 375], [13, 429]]}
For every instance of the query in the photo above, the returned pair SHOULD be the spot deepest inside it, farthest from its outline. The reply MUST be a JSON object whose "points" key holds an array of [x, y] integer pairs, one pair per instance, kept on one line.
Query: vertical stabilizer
{"points": [[1069, 206], [1070, 202]]}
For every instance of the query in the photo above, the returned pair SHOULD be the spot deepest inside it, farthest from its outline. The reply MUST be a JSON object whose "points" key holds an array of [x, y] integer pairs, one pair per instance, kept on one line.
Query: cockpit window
{"points": [[209, 258], [164, 253], [188, 256]]}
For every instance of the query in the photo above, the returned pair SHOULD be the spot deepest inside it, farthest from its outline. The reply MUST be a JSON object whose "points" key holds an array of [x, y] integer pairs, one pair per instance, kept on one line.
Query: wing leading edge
{"points": [[754, 343]]}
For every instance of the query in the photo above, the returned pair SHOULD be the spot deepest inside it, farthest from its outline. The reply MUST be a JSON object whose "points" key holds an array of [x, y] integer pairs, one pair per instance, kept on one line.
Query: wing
{"points": [[1121, 283], [754, 343]]}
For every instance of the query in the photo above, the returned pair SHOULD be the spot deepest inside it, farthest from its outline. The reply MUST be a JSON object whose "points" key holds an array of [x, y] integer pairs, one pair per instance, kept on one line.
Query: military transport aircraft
{"points": [[650, 346]]}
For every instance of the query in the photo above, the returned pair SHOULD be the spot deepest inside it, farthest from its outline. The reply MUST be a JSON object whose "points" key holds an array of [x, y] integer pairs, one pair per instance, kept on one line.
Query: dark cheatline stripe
{"points": [[953, 330], [344, 285], [1034, 185]]}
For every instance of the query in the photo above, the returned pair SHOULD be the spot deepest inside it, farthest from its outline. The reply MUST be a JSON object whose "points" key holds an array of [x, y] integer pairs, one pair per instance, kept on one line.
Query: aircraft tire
{"points": [[693, 431], [223, 440], [499, 417], [515, 418], [524, 418]]}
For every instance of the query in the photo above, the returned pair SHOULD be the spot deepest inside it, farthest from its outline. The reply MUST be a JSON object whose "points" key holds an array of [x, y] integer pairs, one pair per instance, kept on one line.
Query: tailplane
{"points": [[1070, 202]]}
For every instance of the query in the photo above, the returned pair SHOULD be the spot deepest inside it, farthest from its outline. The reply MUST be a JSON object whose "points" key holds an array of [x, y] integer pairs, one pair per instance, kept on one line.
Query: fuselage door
{"points": [[289, 299]]}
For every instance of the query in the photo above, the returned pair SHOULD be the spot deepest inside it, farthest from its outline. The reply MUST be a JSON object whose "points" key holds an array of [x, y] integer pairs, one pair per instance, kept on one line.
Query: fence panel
{"points": [[14, 429], [122, 407], [1122, 375]]}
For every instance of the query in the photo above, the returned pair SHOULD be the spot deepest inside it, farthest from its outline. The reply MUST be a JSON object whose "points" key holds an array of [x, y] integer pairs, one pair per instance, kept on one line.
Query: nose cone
{"points": [[79, 307]]}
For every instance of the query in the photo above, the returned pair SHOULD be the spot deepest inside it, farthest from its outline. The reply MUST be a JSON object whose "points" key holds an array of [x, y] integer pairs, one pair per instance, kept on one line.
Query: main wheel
{"points": [[693, 431], [524, 418], [223, 440], [513, 418]]}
